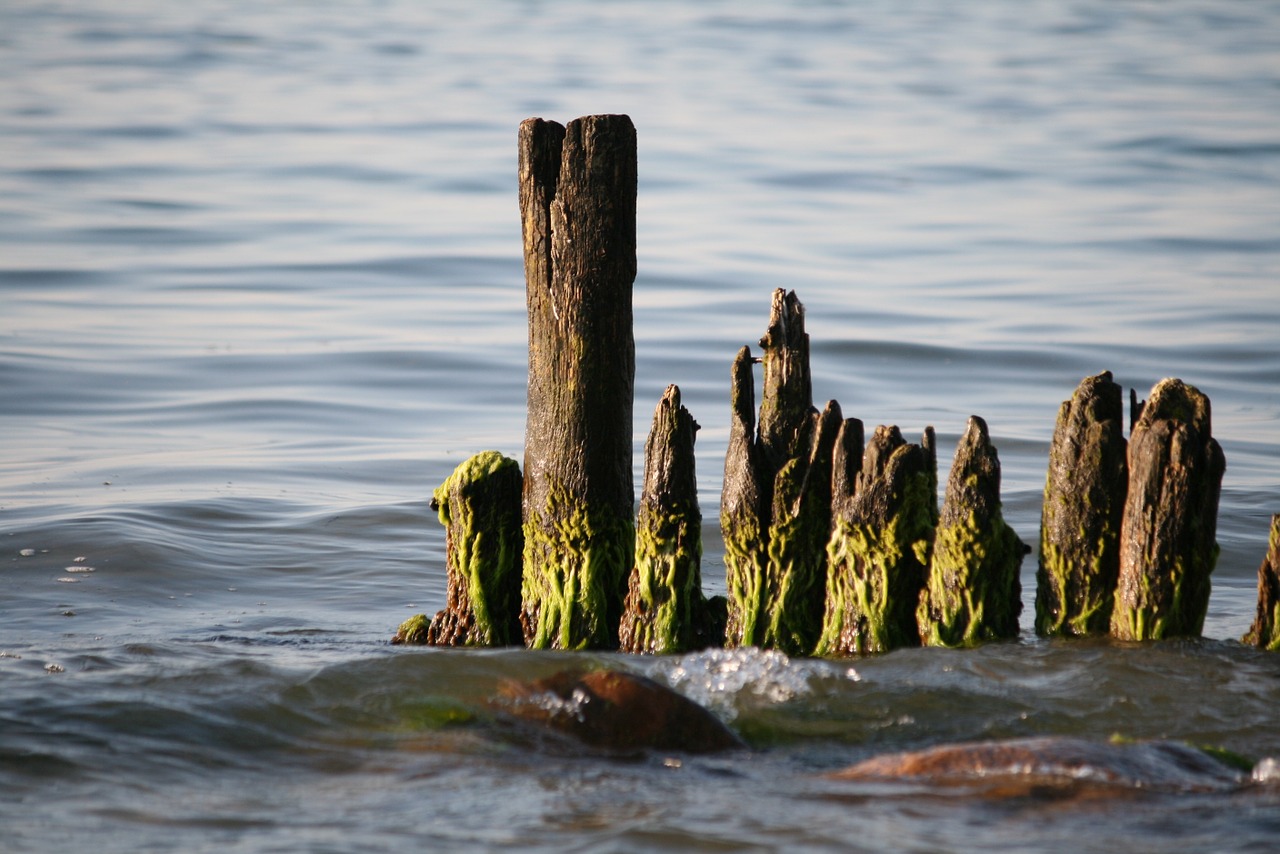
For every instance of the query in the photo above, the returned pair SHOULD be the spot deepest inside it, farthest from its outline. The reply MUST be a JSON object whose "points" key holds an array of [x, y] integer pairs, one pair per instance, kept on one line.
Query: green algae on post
{"points": [[665, 611], [973, 592], [1084, 497], [577, 205], [743, 514], [800, 524], [1168, 544], [479, 505], [880, 548], [1265, 631]]}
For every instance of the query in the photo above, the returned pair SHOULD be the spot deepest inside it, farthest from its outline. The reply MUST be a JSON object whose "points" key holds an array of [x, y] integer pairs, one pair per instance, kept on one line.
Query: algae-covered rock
{"points": [[413, 630], [973, 592], [879, 550], [1084, 498], [1265, 631], [616, 711], [1168, 544], [479, 505], [665, 610]]}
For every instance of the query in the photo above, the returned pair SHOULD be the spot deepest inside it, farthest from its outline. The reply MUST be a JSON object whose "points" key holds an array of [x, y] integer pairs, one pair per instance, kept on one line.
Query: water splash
{"points": [[719, 678]]}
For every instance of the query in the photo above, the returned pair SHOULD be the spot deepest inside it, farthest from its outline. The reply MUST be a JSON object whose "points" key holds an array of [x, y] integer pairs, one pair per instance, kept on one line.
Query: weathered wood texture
{"points": [[578, 211], [881, 540], [1168, 544], [665, 610], [973, 592], [1265, 631], [775, 508], [1084, 497], [479, 505]]}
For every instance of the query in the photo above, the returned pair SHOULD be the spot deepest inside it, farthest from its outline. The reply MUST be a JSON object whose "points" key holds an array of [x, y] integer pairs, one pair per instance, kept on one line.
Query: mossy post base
{"points": [[479, 505], [973, 592], [1084, 497], [665, 611], [775, 509], [1168, 544], [1265, 631], [880, 548], [578, 215]]}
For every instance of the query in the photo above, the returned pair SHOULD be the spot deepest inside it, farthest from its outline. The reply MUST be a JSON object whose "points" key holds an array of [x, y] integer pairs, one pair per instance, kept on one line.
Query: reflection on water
{"points": [[261, 291]]}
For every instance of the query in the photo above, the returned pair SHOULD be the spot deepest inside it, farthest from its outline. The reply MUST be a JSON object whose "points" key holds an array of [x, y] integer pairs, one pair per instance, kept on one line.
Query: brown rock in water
{"points": [[617, 711], [1017, 766], [1265, 631]]}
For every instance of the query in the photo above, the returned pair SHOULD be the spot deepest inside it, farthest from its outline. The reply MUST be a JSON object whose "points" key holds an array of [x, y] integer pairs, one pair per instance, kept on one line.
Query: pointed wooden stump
{"points": [[665, 610], [1168, 544], [775, 509], [479, 505], [578, 209], [973, 592], [1265, 631], [880, 546], [1084, 499]]}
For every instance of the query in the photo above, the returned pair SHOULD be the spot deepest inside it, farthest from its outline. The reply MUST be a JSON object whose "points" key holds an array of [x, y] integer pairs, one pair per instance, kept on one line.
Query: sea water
{"points": [[261, 290]]}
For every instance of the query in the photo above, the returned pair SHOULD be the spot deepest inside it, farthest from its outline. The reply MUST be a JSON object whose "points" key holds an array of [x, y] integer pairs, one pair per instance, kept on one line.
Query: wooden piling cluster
{"points": [[833, 545]]}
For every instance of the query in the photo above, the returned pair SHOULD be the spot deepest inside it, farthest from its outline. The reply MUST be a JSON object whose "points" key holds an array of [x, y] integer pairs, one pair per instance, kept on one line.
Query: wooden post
{"points": [[1084, 497], [775, 509], [1265, 631], [578, 211], [1168, 544], [881, 541], [665, 611], [973, 592], [479, 505]]}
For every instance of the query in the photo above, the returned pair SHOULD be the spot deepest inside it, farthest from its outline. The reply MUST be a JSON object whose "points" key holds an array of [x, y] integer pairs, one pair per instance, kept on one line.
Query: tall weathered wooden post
{"points": [[578, 211], [1168, 537]]}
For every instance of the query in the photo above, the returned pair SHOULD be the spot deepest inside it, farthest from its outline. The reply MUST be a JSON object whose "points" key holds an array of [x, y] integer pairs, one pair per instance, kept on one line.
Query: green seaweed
{"points": [[973, 593], [574, 574], [479, 505], [413, 630], [875, 574], [667, 583]]}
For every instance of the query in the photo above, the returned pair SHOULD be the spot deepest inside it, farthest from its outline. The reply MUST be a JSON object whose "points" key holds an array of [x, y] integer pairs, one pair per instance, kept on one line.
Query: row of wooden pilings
{"points": [[834, 543]]}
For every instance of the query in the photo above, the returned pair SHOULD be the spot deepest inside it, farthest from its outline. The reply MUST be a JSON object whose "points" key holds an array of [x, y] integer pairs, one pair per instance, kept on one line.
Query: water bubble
{"points": [[79, 569], [27, 552], [54, 667], [66, 579]]}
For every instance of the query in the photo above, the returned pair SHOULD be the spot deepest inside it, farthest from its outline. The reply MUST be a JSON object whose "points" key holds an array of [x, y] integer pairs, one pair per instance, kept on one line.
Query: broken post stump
{"points": [[1265, 631], [479, 505], [665, 611], [1084, 497], [973, 592], [1168, 544], [775, 507], [578, 213], [881, 541]]}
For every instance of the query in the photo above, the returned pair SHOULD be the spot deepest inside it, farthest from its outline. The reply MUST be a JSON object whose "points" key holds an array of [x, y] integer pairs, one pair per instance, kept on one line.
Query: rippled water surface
{"points": [[261, 290]]}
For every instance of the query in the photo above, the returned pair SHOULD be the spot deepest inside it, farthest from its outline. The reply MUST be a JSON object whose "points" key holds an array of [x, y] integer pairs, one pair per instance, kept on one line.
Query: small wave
{"points": [[717, 678]]}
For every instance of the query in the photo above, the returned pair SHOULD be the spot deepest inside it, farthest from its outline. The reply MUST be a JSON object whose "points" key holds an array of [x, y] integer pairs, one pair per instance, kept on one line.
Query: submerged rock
{"points": [[1019, 765], [616, 711]]}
